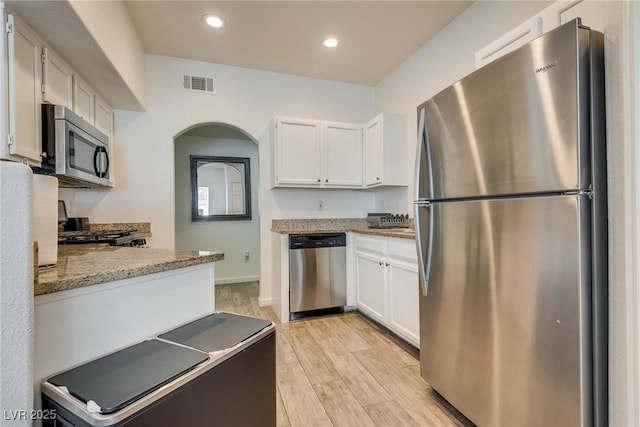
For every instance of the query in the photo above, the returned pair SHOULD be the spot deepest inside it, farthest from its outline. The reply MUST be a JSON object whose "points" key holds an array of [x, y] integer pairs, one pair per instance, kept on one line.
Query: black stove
{"points": [[111, 237]]}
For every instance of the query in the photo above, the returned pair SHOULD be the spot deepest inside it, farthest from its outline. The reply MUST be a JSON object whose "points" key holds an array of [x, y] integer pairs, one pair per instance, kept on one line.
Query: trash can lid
{"points": [[218, 331], [119, 379]]}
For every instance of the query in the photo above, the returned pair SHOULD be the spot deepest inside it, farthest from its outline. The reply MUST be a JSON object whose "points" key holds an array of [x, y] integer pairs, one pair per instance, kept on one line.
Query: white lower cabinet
{"points": [[387, 284], [370, 282], [404, 288]]}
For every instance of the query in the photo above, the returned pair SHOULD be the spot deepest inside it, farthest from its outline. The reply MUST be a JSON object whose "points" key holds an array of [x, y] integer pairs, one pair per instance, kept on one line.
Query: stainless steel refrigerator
{"points": [[511, 230]]}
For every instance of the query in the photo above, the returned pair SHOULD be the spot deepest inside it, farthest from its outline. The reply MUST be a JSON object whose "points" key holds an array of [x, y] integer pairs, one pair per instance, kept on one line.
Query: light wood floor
{"points": [[343, 370]]}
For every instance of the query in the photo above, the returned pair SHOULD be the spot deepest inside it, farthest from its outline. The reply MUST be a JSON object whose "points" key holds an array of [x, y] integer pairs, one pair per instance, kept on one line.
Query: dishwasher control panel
{"points": [[320, 240]]}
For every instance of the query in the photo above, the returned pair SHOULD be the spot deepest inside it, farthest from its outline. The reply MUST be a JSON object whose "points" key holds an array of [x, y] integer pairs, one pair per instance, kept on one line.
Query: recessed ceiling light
{"points": [[330, 42], [214, 21]]}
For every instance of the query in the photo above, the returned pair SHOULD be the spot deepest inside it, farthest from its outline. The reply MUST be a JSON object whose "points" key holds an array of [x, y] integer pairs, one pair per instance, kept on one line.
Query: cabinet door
{"points": [[370, 285], [373, 151], [25, 95], [592, 13], [83, 99], [404, 291], [343, 149], [57, 80], [103, 117], [519, 36], [297, 152]]}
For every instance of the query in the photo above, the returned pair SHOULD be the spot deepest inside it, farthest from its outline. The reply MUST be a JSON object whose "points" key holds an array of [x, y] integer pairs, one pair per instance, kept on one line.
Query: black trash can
{"points": [[216, 371]]}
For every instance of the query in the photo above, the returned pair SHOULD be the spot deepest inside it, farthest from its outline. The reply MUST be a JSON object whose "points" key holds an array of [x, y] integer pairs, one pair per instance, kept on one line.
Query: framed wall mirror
{"points": [[220, 188]]}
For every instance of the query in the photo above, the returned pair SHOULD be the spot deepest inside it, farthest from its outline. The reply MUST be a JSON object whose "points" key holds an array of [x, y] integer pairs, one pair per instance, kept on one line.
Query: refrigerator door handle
{"points": [[424, 254]]}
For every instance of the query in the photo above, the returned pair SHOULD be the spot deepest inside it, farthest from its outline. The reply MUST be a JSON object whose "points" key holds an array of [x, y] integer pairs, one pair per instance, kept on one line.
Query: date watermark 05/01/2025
{"points": [[26, 415]]}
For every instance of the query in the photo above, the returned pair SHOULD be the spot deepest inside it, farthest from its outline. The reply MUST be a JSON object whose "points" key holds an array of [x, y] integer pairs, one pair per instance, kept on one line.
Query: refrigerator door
{"points": [[516, 126], [505, 325]]}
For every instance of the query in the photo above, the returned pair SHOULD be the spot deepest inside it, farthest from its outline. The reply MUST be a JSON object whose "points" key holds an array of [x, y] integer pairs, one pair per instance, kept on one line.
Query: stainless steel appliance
{"points": [[73, 150], [511, 229], [111, 237], [387, 220], [317, 271], [217, 370]]}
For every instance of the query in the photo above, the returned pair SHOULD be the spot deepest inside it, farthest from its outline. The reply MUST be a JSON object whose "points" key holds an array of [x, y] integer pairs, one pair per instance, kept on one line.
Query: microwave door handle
{"points": [[106, 160], [99, 172]]}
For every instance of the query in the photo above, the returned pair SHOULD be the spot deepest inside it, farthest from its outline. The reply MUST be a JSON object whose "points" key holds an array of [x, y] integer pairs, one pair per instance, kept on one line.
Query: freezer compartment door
{"points": [[505, 324], [516, 126]]}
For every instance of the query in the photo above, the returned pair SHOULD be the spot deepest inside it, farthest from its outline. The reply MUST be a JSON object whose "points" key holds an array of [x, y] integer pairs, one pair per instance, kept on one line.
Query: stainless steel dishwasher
{"points": [[317, 271]]}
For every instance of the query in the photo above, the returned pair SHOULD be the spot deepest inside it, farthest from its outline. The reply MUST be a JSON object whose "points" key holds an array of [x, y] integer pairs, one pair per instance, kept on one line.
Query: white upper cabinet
{"points": [[313, 153], [591, 12], [83, 99], [373, 150], [321, 154], [558, 13], [519, 36], [57, 80], [34, 74], [103, 116], [297, 152], [25, 96], [385, 146], [342, 154]]}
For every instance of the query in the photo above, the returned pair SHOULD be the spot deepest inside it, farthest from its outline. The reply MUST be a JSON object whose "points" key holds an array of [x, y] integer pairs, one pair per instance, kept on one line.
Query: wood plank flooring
{"points": [[343, 370]]}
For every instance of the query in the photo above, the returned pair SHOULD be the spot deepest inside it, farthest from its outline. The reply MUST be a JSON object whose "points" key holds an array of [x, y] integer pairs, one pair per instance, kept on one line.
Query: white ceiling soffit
{"points": [[59, 25], [286, 36]]}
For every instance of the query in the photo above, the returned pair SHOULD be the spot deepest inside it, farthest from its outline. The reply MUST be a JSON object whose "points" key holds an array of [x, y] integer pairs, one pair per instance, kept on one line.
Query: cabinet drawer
{"points": [[370, 244], [403, 249]]}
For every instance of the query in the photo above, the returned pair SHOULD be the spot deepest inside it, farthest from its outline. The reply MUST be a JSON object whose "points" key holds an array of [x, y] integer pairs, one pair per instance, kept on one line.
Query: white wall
{"points": [[233, 237], [247, 99], [449, 56], [16, 294]]}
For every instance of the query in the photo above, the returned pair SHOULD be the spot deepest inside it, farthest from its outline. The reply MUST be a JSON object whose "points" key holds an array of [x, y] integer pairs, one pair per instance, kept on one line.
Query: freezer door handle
{"points": [[423, 171], [424, 243]]}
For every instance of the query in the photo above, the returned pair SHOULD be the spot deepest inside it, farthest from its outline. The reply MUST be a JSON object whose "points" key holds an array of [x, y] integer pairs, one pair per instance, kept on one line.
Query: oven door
{"points": [[81, 156]]}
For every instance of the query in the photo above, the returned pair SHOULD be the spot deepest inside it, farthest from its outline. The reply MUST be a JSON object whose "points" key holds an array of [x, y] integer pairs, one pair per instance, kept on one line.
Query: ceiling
{"points": [[285, 36]]}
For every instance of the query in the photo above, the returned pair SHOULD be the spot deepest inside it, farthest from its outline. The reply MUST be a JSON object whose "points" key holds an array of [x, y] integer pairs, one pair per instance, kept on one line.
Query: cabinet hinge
{"points": [[9, 27], [44, 56], [10, 140], [43, 88]]}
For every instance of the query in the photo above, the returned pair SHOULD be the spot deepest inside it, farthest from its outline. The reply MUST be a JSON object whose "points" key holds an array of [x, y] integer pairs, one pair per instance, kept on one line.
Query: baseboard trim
{"points": [[228, 280], [264, 302]]}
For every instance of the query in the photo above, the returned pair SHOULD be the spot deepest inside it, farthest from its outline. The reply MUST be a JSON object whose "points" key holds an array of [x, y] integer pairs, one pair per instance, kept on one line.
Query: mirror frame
{"points": [[194, 160]]}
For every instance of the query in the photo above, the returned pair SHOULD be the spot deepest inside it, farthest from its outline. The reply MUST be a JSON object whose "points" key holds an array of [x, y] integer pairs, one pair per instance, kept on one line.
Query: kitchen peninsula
{"points": [[85, 265], [99, 299]]}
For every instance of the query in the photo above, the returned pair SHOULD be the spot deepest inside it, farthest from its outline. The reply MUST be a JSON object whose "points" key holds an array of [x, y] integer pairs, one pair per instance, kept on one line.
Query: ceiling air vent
{"points": [[199, 84]]}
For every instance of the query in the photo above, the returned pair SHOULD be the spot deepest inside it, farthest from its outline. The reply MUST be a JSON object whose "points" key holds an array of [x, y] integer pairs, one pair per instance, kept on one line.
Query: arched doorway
{"points": [[238, 239]]}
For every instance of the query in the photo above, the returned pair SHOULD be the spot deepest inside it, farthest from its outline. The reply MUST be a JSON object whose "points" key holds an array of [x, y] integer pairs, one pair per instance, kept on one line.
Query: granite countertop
{"points": [[85, 265], [140, 229], [337, 225]]}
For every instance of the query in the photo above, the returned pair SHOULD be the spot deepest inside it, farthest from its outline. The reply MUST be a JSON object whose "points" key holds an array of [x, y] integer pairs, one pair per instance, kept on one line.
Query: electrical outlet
{"points": [[320, 205], [246, 256]]}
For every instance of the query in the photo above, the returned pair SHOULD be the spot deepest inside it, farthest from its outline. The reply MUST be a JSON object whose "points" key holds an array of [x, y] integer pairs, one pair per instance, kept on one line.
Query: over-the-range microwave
{"points": [[73, 150]]}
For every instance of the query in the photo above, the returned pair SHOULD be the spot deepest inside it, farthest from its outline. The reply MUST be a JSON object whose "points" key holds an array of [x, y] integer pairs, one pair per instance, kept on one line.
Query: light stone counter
{"points": [[337, 225], [85, 265], [139, 227]]}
